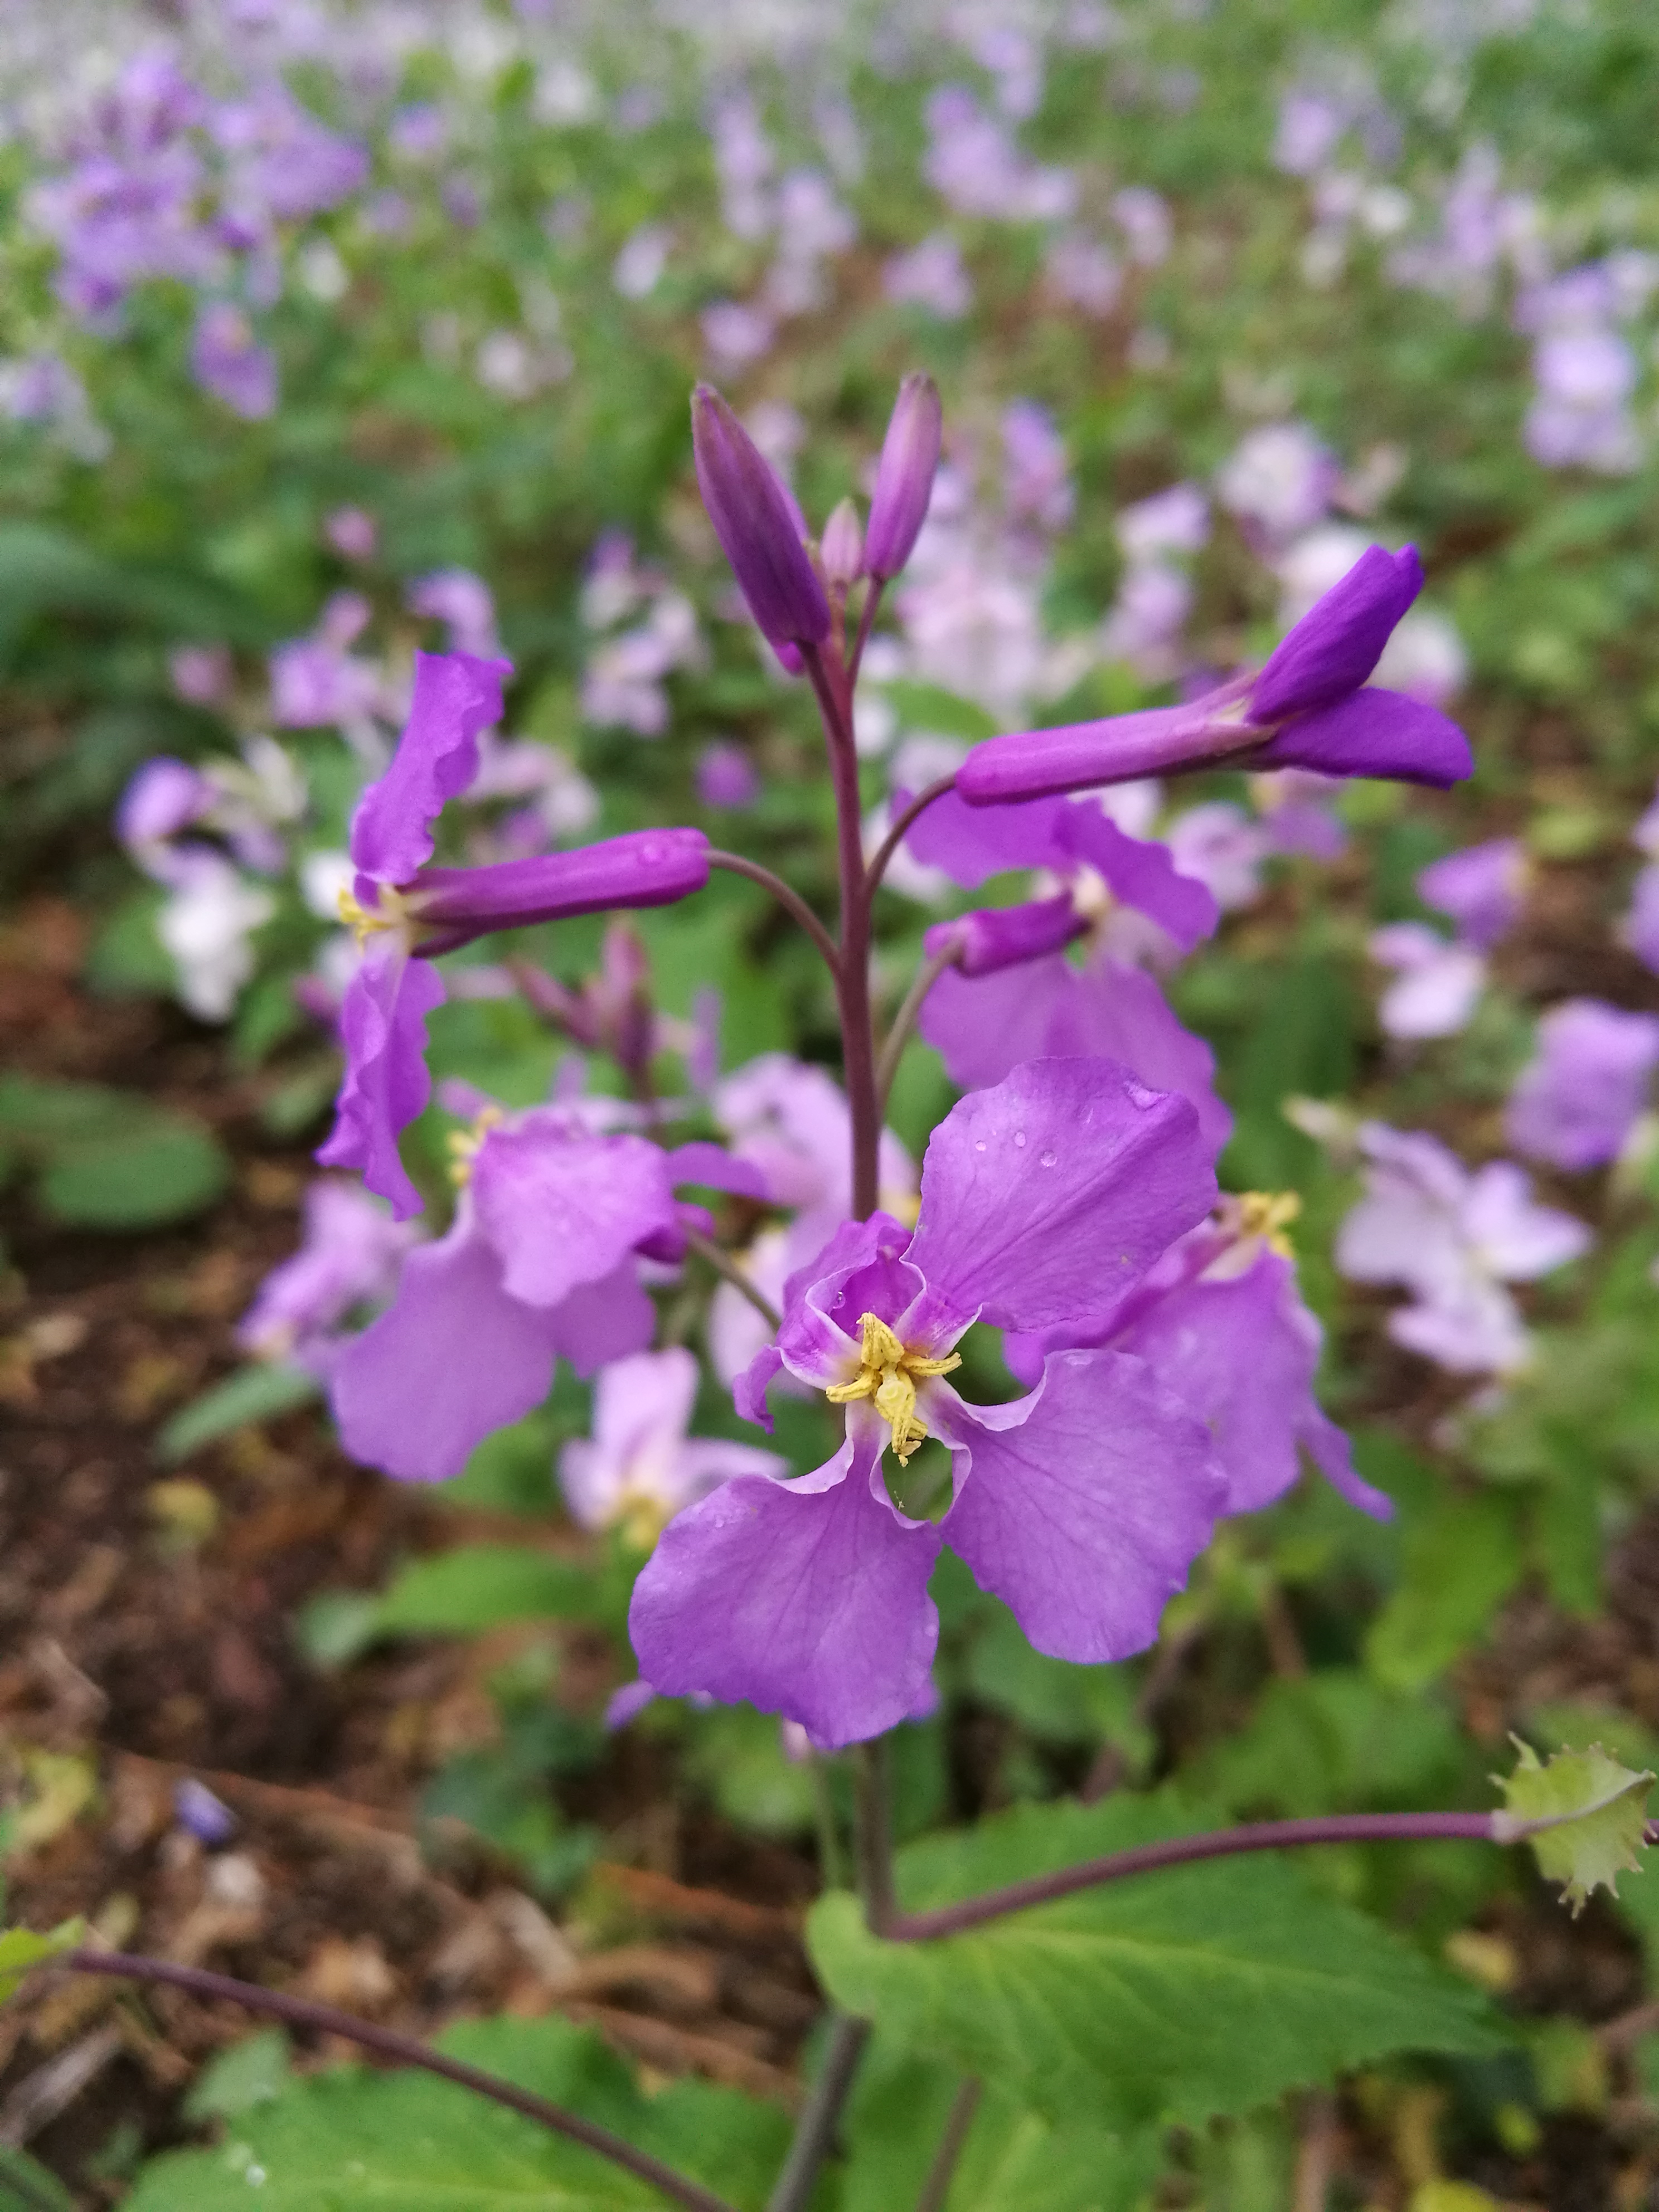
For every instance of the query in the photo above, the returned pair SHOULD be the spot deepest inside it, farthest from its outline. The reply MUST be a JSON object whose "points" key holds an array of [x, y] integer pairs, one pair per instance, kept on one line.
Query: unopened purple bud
{"points": [[904, 478], [200, 1812], [843, 548], [1007, 936], [752, 520], [643, 867]]}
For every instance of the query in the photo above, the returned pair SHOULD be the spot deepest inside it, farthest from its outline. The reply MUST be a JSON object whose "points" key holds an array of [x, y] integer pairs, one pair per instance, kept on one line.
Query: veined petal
{"points": [[1044, 1199], [437, 757], [1338, 642], [1373, 732], [970, 843], [562, 1210], [806, 1598], [383, 1030], [1083, 1506], [643, 868], [1141, 872], [1120, 748]]}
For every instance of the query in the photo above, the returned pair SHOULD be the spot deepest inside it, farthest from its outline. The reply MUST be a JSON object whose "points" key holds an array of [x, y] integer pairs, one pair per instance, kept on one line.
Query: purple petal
{"points": [[1084, 1505], [164, 797], [806, 1598], [752, 520], [983, 1028], [904, 476], [1338, 642], [562, 1210], [1076, 755], [452, 1359], [1141, 872], [715, 1168], [603, 1321], [749, 1391], [1007, 936], [1483, 888], [383, 1030], [1373, 732], [437, 757], [971, 844], [643, 868], [1578, 1098]]}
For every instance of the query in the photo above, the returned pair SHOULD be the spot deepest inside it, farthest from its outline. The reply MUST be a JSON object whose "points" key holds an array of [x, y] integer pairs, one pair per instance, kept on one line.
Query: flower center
{"points": [[887, 1374], [1268, 1213], [389, 911], [464, 1145]]}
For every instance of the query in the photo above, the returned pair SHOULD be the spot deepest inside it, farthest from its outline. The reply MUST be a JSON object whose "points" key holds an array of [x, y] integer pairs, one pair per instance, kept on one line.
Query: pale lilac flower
{"points": [[205, 923], [1084, 273], [973, 164], [1309, 128], [1482, 888], [725, 778], [1577, 1099], [623, 678], [350, 1255], [1143, 218], [1278, 481], [1219, 845], [641, 1468], [812, 224], [640, 265], [418, 132], [228, 361], [931, 276], [466, 606], [744, 159], [1037, 481], [352, 533], [1173, 521], [163, 797], [316, 682], [1438, 983], [1453, 1239], [810, 1597], [200, 673]]}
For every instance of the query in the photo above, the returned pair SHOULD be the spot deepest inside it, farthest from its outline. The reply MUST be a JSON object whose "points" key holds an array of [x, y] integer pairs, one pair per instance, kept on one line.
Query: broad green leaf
{"points": [[406, 2143], [1203, 1989], [480, 1586], [26, 2185], [254, 2071], [1603, 1837], [1329, 1741], [253, 1393], [1461, 1560], [21, 1950], [162, 1170]]}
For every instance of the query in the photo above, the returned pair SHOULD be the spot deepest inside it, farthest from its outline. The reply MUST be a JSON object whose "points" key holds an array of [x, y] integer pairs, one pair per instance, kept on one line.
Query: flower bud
{"points": [[752, 519], [904, 479], [843, 548]]}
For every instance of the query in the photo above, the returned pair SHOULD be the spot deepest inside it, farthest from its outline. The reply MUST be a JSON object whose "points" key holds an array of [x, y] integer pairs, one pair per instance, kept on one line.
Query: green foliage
{"points": [[22, 1951], [105, 1159], [1461, 1559], [332, 2142], [26, 2186], [250, 1395], [1198, 1991], [255, 2071], [479, 1586], [1601, 1809], [1329, 1741]]}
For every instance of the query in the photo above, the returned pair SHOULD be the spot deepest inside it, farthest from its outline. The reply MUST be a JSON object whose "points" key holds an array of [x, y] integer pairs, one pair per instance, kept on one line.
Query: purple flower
{"points": [[200, 673], [539, 1264], [904, 476], [352, 533], [932, 276], [228, 361], [1310, 707], [406, 912], [462, 603], [1483, 888], [639, 1467], [350, 1256], [201, 1814], [1082, 1505], [315, 682], [1438, 983], [725, 777], [1038, 486], [164, 797], [1581, 1094], [758, 525], [1220, 1321], [1280, 481], [1453, 1240]]}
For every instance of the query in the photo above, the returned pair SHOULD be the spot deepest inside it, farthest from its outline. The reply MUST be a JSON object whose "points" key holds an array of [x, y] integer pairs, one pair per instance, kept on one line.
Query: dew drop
{"points": [[1048, 1159], [978, 1144], [1019, 1137], [256, 2176]]}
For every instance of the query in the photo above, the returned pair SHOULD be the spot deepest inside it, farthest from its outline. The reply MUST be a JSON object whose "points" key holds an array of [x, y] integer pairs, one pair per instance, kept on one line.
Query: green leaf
{"points": [[352, 2138], [1462, 1557], [1204, 1990], [254, 2071], [159, 1171], [479, 1586], [1332, 1740], [21, 1950], [26, 2185], [1608, 1805], [253, 1393]]}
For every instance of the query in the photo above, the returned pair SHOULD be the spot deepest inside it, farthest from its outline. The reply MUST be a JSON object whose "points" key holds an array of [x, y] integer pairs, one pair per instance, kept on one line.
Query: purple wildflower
{"points": [[163, 797], [462, 603], [201, 1814], [316, 682], [1309, 707], [1453, 1239], [228, 361], [758, 525], [1081, 1505], [931, 276], [1438, 982], [725, 778], [639, 1467], [350, 1257], [352, 533], [406, 911], [1482, 888], [1579, 1097]]}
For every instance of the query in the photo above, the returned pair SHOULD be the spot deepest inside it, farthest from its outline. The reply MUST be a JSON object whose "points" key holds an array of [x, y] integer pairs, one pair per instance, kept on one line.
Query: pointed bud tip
{"points": [[758, 525], [842, 546], [904, 476]]}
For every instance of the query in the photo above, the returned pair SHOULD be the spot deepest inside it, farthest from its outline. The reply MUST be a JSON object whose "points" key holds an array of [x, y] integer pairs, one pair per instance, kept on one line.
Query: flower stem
{"points": [[815, 2131], [872, 592], [832, 1862], [872, 1836], [736, 864], [1183, 1850], [402, 2051], [723, 1264], [905, 1019], [937, 2187], [895, 837]]}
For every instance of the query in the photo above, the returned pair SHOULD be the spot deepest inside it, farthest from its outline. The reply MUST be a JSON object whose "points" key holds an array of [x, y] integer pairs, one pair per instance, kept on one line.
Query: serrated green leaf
{"points": [[1601, 1808], [253, 1393], [21, 1950], [478, 1586], [406, 2143], [1180, 1995]]}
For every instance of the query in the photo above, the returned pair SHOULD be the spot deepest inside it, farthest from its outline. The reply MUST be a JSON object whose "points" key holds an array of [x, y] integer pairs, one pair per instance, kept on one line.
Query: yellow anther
{"points": [[389, 911], [1268, 1213], [887, 1373], [464, 1145], [642, 1519]]}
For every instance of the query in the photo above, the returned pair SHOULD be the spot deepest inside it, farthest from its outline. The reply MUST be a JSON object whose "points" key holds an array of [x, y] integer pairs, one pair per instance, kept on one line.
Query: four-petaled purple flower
{"points": [[1582, 1093], [1309, 708], [1083, 1505], [406, 912]]}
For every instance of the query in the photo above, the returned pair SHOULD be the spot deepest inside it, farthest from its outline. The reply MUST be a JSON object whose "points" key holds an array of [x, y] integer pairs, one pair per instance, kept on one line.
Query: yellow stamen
{"points": [[464, 1145], [1268, 1213], [887, 1374], [389, 911]]}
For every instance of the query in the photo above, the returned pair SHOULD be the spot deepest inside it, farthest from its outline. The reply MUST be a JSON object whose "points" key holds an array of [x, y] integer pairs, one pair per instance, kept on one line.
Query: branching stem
{"points": [[723, 1264], [905, 1019], [895, 836], [937, 2187], [402, 2050], [736, 864]]}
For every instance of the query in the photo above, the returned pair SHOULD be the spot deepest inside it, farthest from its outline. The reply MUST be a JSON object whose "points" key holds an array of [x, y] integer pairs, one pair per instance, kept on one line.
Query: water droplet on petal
{"points": [[978, 1144], [1048, 1159], [1019, 1137]]}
